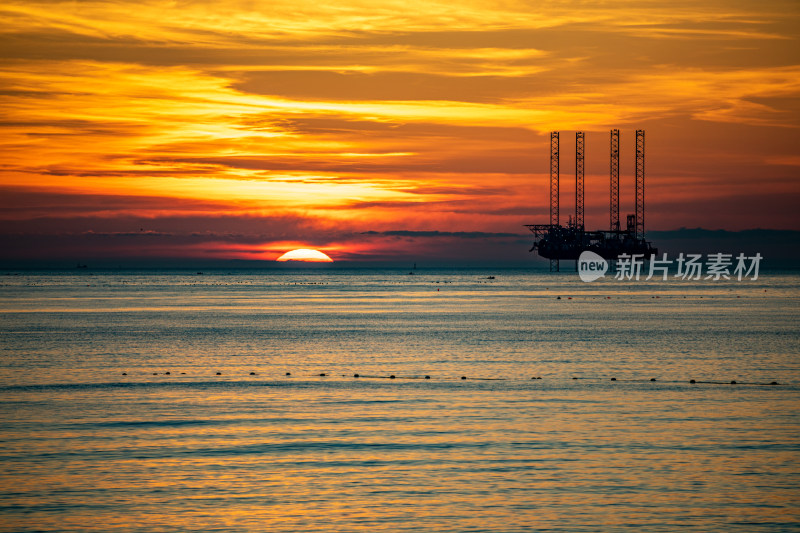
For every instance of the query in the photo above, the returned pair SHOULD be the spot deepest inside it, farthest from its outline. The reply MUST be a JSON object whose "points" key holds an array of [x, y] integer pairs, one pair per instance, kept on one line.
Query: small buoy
{"points": [[355, 375], [427, 377], [322, 374], [124, 373], [252, 373], [692, 381], [391, 377], [652, 379], [288, 373], [569, 298], [774, 383], [558, 297], [166, 373], [183, 373], [613, 379], [219, 373], [155, 373], [463, 377], [574, 378], [733, 382]]}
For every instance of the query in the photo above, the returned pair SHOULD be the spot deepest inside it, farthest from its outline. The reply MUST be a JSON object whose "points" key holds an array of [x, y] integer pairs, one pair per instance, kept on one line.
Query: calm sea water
{"points": [[160, 401]]}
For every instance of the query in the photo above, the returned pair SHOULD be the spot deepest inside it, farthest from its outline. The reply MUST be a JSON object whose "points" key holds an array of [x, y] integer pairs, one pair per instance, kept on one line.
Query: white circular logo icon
{"points": [[591, 266]]}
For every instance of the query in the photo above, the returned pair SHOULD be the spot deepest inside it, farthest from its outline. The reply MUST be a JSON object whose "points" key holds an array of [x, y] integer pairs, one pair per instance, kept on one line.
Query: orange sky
{"points": [[240, 129]]}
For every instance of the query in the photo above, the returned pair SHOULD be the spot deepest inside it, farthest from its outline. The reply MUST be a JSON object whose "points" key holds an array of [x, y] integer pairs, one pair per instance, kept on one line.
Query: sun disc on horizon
{"points": [[304, 254]]}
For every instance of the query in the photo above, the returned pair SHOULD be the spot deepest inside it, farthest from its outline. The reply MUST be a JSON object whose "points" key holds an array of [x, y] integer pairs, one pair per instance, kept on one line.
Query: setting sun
{"points": [[304, 254]]}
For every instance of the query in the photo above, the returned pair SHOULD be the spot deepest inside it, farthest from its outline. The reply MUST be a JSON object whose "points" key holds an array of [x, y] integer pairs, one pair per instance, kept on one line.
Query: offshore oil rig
{"points": [[555, 242]]}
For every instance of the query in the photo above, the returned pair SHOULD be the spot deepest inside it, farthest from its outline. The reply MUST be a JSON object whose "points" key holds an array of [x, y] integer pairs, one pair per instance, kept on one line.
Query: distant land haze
{"points": [[780, 249]]}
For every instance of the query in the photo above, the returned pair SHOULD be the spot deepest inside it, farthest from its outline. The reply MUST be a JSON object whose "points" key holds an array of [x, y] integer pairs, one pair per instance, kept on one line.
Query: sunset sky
{"points": [[383, 129]]}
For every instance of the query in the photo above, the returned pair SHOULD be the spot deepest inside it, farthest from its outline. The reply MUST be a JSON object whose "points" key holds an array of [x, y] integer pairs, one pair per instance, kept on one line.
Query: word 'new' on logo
{"points": [[591, 266]]}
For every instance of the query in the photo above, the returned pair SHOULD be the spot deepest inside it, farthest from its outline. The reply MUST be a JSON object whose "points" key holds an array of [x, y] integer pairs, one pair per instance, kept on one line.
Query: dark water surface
{"points": [[85, 448]]}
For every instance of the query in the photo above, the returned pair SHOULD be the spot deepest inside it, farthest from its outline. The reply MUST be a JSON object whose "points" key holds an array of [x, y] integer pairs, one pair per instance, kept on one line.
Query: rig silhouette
{"points": [[555, 242]]}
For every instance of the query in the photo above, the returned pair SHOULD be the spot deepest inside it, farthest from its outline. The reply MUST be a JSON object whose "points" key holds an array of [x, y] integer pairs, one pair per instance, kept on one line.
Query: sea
{"points": [[389, 400]]}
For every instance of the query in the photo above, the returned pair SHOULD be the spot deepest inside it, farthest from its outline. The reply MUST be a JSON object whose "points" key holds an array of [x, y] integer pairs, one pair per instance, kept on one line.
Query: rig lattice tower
{"points": [[640, 184], [579, 174], [614, 175], [554, 193]]}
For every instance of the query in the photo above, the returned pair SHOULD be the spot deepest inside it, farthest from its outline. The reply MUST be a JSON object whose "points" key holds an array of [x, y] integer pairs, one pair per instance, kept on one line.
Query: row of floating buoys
{"points": [[156, 373], [609, 297], [693, 381], [732, 382], [393, 376]]}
